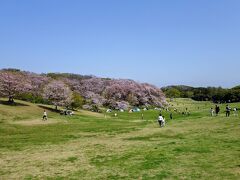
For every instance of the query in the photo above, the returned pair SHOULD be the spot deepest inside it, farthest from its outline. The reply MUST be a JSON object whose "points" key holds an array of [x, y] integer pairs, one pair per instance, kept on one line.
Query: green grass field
{"points": [[90, 146]]}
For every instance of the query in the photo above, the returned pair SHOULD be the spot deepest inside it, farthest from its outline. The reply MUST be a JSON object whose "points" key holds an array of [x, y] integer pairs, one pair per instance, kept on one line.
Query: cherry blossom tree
{"points": [[12, 83], [37, 82], [155, 95], [58, 93], [122, 105], [90, 89]]}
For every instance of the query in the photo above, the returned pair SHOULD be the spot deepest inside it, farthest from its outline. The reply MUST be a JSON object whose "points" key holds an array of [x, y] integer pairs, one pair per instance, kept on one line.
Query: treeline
{"points": [[77, 91], [215, 94]]}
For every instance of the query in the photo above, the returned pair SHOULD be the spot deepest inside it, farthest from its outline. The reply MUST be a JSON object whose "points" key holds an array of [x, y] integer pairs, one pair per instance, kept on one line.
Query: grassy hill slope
{"points": [[90, 146]]}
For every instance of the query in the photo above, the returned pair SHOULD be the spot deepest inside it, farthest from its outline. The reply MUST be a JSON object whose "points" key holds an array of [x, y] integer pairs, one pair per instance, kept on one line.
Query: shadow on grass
{"points": [[156, 137], [49, 109], [12, 103]]}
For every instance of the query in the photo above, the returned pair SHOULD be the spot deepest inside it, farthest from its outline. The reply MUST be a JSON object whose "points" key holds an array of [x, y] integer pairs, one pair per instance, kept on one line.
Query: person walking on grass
{"points": [[217, 110], [235, 113], [212, 112], [228, 111], [161, 120], [45, 116]]}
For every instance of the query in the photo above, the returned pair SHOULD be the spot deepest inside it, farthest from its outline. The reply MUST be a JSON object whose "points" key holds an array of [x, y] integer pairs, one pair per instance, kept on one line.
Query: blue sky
{"points": [[161, 42]]}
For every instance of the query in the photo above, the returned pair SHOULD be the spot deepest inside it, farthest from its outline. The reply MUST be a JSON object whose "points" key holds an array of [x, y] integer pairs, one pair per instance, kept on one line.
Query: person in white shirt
{"points": [[212, 112], [161, 120], [235, 111], [44, 115]]}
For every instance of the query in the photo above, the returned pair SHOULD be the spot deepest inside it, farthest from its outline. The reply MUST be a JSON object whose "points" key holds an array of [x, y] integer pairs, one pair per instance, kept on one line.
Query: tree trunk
{"points": [[10, 99]]}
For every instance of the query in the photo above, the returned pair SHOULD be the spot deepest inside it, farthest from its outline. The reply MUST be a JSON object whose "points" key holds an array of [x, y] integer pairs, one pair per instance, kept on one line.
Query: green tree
{"points": [[189, 94], [173, 93], [78, 100]]}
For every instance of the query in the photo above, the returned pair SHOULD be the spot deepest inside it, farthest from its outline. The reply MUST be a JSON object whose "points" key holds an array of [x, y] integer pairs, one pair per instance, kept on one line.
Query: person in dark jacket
{"points": [[228, 111]]}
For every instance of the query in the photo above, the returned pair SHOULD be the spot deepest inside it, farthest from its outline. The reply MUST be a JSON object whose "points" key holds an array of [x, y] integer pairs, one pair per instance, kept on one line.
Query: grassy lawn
{"points": [[90, 146]]}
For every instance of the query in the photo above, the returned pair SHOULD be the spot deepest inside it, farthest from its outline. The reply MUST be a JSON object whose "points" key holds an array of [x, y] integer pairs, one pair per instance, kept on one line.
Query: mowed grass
{"points": [[90, 146]]}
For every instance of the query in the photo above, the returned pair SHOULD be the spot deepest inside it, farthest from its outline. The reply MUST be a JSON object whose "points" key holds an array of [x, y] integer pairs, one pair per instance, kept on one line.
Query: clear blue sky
{"points": [[164, 42]]}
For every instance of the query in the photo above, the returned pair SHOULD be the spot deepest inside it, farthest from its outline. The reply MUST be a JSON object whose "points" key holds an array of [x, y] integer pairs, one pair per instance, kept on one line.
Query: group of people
{"points": [[45, 116], [161, 118], [216, 111], [228, 111]]}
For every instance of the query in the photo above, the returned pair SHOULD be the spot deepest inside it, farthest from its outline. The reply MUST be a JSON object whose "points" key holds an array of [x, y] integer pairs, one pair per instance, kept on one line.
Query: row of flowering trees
{"points": [[14, 83], [76, 92], [117, 94]]}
